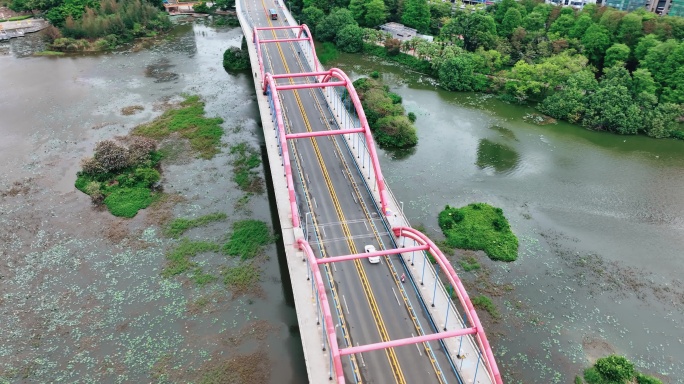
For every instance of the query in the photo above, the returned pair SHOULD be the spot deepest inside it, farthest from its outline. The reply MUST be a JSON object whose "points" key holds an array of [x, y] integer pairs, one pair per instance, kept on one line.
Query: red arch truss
{"points": [[475, 327], [301, 30], [331, 78], [444, 263]]}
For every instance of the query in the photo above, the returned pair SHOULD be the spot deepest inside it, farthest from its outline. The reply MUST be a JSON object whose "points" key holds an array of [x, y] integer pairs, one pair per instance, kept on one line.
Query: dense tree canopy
{"points": [[416, 14], [607, 69]]}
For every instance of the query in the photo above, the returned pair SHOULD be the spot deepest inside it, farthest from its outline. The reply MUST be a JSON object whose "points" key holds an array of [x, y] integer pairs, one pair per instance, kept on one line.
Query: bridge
{"points": [[371, 305]]}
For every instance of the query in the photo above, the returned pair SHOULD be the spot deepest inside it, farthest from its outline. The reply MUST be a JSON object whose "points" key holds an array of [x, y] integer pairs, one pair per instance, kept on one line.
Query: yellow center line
{"points": [[391, 355]]}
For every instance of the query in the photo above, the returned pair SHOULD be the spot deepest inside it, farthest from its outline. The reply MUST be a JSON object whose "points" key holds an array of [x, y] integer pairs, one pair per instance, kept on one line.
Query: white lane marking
{"points": [[363, 363], [396, 297], [420, 353], [345, 301]]}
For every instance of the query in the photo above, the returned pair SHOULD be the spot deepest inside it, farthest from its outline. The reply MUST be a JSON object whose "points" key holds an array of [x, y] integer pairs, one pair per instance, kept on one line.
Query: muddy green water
{"points": [[600, 220], [81, 296]]}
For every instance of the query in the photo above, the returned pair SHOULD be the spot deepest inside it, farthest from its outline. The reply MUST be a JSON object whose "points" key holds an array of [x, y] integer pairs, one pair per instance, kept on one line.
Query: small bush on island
{"points": [[479, 226], [614, 369], [236, 59], [121, 177], [385, 114]]}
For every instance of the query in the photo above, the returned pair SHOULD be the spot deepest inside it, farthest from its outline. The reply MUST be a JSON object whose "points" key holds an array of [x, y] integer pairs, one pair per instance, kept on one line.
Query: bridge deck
{"points": [[338, 201]]}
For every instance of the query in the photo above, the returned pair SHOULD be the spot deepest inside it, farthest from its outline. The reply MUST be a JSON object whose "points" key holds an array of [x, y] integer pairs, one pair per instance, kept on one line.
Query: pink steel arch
{"points": [[443, 262], [327, 315], [302, 28], [326, 81], [426, 245], [283, 147]]}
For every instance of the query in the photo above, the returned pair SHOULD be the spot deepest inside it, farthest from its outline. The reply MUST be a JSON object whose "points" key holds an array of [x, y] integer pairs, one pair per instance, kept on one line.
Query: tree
{"points": [[458, 74], [630, 29], [478, 30], [416, 14], [323, 5], [312, 16], [642, 82], [612, 108], [596, 40], [616, 53], [645, 44], [502, 7], [611, 20], [580, 27], [512, 20], [334, 22], [376, 13], [663, 60], [673, 91], [534, 21], [562, 25], [570, 102], [661, 120], [358, 10], [350, 39]]}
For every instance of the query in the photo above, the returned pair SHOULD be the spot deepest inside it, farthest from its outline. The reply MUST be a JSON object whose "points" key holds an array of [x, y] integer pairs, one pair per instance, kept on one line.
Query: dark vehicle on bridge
{"points": [[273, 14]]}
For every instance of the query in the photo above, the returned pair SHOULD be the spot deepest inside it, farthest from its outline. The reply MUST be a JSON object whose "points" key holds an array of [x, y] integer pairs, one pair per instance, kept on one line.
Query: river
{"points": [[599, 217]]}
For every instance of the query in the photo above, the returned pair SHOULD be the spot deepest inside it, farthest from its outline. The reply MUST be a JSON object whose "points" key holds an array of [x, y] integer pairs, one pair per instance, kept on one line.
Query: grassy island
{"points": [[479, 226], [122, 175]]}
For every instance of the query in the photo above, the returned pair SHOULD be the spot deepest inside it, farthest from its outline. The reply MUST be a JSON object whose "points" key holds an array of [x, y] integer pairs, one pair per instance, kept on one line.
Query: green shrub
{"points": [[244, 174], [235, 59], [126, 202], [479, 226], [328, 53], [615, 368], [592, 376], [375, 75], [146, 176], [412, 117]]}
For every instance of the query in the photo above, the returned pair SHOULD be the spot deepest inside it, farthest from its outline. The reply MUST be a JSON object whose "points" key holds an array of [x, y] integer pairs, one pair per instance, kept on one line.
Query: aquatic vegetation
{"points": [[245, 165], [479, 226], [178, 226], [485, 303], [469, 263], [248, 239], [327, 53], [189, 122], [242, 277], [178, 259]]}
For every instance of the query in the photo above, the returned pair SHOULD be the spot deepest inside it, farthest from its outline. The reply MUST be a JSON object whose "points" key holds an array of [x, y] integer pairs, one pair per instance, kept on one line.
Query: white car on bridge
{"points": [[372, 259]]}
